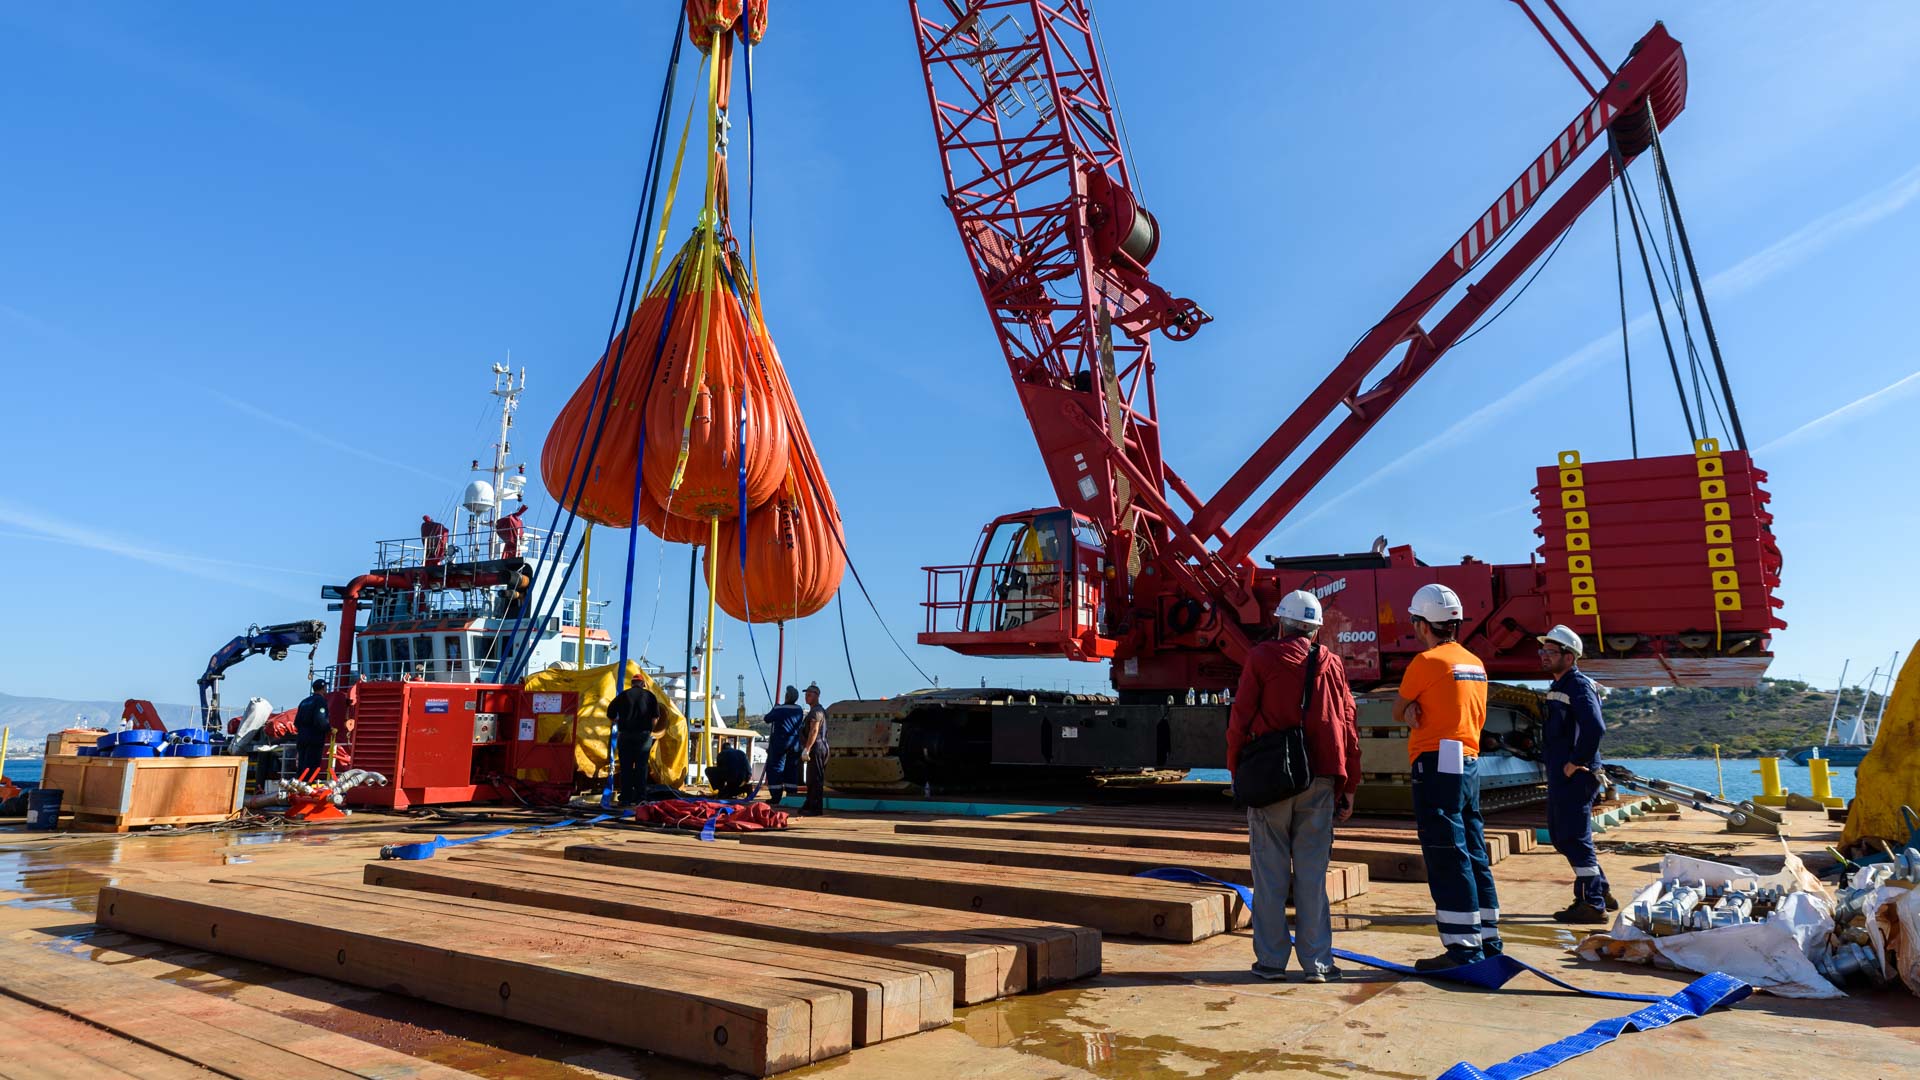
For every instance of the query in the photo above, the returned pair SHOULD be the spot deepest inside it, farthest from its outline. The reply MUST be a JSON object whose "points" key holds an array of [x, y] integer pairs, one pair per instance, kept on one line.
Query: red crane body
{"points": [[1038, 185]]}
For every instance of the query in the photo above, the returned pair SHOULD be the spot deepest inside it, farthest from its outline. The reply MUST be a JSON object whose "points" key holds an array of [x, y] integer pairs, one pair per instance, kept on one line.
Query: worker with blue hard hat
{"points": [[1570, 750]]}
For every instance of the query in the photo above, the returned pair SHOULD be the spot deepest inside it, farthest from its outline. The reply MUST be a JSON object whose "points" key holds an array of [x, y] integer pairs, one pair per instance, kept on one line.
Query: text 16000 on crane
{"points": [[1665, 564]]}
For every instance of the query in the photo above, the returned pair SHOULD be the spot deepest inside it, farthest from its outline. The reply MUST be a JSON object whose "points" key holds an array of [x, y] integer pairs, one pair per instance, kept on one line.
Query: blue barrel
{"points": [[43, 809]]}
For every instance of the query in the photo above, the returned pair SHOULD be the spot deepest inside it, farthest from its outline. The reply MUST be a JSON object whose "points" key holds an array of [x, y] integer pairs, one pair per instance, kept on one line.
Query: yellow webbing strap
{"points": [[703, 279], [673, 187]]}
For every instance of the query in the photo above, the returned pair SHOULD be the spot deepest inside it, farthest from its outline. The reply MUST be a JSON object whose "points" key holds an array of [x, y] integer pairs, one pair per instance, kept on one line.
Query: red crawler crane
{"points": [[1665, 563]]}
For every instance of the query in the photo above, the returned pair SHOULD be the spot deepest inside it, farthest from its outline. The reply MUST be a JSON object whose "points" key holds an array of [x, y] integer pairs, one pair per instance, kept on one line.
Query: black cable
{"points": [[632, 280], [1660, 312], [1522, 291], [1695, 366], [1620, 279], [840, 605], [1512, 231], [1693, 272]]}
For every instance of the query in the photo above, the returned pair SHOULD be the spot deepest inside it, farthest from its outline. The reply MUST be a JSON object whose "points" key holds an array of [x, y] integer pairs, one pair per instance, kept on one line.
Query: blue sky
{"points": [[260, 258]]}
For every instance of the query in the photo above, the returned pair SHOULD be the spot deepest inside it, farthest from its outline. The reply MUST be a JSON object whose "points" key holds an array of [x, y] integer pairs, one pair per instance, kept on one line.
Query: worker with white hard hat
{"points": [[1443, 696], [1286, 684], [1570, 750]]}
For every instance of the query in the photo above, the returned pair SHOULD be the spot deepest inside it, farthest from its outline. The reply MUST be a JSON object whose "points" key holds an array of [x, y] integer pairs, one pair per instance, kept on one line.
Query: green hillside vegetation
{"points": [[1778, 715]]}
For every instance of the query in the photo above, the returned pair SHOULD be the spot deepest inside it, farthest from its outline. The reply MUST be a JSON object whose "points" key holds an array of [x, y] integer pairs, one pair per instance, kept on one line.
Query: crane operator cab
{"points": [[1036, 587]]}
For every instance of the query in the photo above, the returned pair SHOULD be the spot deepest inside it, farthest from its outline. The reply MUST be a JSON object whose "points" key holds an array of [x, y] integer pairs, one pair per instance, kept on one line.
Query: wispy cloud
{"points": [[1779, 256], [1855, 408], [36, 525], [324, 439]]}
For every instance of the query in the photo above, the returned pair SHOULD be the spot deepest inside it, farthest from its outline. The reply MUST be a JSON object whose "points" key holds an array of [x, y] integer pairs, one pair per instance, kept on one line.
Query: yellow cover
{"points": [[1889, 777], [597, 687]]}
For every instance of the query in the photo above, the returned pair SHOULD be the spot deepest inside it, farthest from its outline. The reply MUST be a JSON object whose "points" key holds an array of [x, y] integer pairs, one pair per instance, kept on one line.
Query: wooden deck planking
{"points": [[224, 1036]]}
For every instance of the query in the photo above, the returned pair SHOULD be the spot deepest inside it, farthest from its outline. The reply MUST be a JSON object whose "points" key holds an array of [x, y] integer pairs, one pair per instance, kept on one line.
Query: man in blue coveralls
{"points": [[782, 774], [1571, 754]]}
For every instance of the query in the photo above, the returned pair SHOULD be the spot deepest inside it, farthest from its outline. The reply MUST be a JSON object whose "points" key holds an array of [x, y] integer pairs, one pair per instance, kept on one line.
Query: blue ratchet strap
{"points": [[1697, 999]]}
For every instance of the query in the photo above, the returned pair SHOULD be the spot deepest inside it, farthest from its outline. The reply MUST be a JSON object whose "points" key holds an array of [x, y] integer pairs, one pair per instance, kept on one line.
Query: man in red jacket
{"points": [[1292, 840]]}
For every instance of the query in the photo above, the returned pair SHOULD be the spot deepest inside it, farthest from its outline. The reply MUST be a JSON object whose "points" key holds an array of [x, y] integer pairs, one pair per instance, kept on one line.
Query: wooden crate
{"points": [[63, 743], [116, 794]]}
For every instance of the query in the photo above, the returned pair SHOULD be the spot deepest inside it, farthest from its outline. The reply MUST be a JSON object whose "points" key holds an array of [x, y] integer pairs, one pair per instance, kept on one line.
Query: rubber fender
{"points": [[1888, 778]]}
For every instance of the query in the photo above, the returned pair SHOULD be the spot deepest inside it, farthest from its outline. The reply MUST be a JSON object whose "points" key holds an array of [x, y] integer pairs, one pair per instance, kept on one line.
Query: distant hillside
{"points": [[1779, 714], [31, 718]]}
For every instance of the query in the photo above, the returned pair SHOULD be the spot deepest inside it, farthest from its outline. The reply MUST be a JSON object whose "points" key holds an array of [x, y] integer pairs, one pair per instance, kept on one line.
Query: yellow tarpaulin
{"points": [[597, 687], [1889, 777]]}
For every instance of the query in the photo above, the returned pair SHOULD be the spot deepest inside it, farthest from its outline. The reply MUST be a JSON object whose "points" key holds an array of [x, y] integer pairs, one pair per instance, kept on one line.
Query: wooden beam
{"points": [[891, 998], [1109, 904], [758, 1026], [1089, 857], [982, 969]]}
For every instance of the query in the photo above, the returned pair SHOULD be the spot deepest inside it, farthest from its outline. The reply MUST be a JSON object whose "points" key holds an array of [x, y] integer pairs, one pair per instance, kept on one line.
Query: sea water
{"points": [[1741, 775]]}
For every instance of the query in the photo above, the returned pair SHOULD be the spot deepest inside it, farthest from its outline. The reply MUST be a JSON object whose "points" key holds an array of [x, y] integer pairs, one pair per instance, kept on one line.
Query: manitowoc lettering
{"points": [[1329, 589]]}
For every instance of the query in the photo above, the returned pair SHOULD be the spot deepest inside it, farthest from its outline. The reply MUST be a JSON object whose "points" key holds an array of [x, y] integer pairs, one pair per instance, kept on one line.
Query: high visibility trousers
{"points": [[1446, 808], [1570, 827]]}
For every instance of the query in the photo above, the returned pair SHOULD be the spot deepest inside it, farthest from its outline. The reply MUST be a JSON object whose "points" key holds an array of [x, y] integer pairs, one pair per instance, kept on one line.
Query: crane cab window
{"points": [[399, 657], [455, 665], [376, 658], [1018, 579]]}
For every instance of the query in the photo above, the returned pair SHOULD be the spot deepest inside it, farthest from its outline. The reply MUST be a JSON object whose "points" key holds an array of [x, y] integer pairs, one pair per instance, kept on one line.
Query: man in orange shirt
{"points": [[1443, 696]]}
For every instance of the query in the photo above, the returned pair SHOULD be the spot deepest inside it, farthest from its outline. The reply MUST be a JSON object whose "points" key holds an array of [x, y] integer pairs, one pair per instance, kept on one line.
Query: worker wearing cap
{"points": [[814, 750], [1443, 696], [1292, 840], [310, 729], [1570, 750]]}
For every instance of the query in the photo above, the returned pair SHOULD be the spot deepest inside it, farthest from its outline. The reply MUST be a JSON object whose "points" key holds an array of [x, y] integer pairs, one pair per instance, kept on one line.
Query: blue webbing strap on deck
{"points": [[1699, 997]]}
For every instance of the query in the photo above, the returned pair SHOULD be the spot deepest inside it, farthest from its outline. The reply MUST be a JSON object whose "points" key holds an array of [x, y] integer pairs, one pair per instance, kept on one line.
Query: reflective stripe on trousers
{"points": [[1453, 838]]}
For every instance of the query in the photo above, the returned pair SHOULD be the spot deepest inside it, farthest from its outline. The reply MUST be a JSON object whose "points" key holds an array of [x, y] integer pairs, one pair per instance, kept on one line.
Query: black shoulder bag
{"points": [[1273, 765]]}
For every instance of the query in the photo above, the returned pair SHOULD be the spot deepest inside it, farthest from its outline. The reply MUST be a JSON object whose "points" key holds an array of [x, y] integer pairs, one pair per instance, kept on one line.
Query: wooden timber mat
{"points": [[1344, 879], [63, 1015], [989, 956], [1111, 904], [1387, 857], [747, 1005], [1518, 836]]}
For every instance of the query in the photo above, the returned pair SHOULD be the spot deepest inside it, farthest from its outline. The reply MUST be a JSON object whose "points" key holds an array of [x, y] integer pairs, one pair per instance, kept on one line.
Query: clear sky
{"points": [[258, 259]]}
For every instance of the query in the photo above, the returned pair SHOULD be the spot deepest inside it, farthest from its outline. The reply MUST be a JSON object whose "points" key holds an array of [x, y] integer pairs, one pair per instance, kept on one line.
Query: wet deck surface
{"points": [[1158, 1010]]}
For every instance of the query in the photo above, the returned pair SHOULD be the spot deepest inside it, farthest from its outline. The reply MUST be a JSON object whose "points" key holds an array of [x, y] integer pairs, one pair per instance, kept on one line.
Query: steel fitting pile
{"points": [[1687, 906]]}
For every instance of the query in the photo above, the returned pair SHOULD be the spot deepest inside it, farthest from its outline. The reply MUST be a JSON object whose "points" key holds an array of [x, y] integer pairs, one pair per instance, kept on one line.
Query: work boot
{"points": [[1612, 904], [1324, 975], [1581, 913], [1270, 974], [1446, 960], [1492, 946]]}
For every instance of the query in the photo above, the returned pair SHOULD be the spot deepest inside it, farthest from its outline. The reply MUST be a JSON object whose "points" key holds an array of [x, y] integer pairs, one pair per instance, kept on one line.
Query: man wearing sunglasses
{"points": [[1571, 754]]}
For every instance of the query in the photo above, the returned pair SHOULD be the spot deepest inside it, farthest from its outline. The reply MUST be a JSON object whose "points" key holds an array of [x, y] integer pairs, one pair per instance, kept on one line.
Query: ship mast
{"points": [[508, 391]]}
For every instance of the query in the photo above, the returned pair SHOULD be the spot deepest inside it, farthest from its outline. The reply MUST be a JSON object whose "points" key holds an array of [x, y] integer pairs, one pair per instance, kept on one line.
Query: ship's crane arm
{"points": [[275, 641]]}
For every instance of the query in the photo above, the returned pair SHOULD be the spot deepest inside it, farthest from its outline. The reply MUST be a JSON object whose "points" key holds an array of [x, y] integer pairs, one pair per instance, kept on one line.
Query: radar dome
{"points": [[479, 497]]}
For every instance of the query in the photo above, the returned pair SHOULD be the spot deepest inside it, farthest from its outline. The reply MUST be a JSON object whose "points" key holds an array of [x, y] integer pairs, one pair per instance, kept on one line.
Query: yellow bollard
{"points": [[1820, 773], [1771, 791]]}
